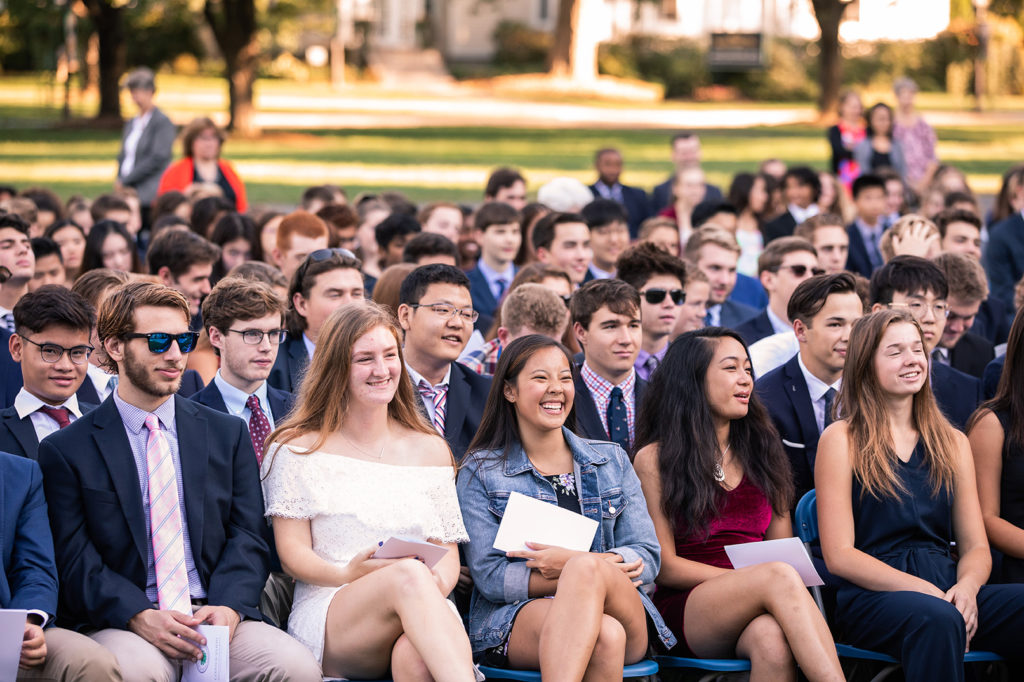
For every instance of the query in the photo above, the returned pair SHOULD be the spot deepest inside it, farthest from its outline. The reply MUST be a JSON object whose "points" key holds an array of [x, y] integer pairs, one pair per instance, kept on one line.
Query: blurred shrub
{"points": [[518, 46], [678, 65]]}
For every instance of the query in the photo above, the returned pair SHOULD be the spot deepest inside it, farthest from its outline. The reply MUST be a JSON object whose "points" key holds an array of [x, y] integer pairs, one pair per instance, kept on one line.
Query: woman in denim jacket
{"points": [[570, 614]]}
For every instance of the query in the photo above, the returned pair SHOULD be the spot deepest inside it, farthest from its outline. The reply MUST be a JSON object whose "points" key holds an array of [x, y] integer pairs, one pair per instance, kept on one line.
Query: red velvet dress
{"points": [[743, 518]]}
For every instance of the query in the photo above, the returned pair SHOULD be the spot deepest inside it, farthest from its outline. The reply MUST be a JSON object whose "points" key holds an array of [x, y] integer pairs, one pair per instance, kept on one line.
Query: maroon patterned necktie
{"points": [[259, 426]]}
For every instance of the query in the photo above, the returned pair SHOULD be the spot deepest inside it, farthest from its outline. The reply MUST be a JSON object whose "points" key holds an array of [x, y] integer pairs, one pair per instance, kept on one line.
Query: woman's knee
{"points": [[938, 616], [585, 568], [611, 640], [409, 578], [406, 661], [766, 642]]}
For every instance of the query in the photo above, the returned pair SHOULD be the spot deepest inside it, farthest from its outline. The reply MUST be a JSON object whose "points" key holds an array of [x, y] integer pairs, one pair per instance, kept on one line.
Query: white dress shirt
{"points": [[131, 143], [27, 405], [779, 326], [817, 388], [100, 380], [772, 351]]}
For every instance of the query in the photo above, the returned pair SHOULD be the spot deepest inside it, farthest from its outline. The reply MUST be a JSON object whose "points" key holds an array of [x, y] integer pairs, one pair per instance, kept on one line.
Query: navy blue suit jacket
{"points": [[464, 407], [781, 226], [99, 531], [10, 372], [783, 391], [857, 258], [756, 328], [749, 291], [18, 436], [281, 402], [993, 321], [661, 197], [957, 394], [483, 298], [191, 383], [591, 424], [29, 579], [1004, 257], [291, 362], [636, 203], [734, 314], [990, 378], [971, 354]]}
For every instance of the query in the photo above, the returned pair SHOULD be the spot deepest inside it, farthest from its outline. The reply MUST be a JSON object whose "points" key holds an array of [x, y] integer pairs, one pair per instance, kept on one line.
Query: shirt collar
{"points": [[99, 376], [598, 273], [815, 386], [778, 324], [310, 346], [802, 214], [491, 275], [134, 418], [643, 356], [417, 377], [866, 231], [25, 404], [235, 399], [592, 378]]}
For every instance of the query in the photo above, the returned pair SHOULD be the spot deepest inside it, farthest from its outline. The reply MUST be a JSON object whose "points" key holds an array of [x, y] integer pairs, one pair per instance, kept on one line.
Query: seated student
{"points": [[713, 473], [184, 261], [716, 253], [919, 286], [17, 257], [572, 615], [659, 279], [782, 266], [609, 236], [606, 322], [528, 309], [436, 312], [662, 232], [697, 290], [392, 233], [895, 487], [800, 394], [138, 590], [299, 234], [496, 229], [827, 234], [994, 433], [429, 247], [244, 319], [49, 267], [326, 280], [869, 198], [334, 469], [508, 186], [960, 348], [52, 346], [29, 581], [443, 218], [633, 200], [801, 189], [342, 223], [562, 240], [911, 235]]}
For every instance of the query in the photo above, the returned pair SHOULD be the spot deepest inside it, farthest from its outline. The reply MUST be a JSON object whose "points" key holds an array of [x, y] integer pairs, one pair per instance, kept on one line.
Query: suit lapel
{"points": [[588, 422], [487, 300], [298, 359], [111, 442], [213, 398], [193, 452], [280, 404], [23, 432], [87, 392], [800, 397], [455, 404]]}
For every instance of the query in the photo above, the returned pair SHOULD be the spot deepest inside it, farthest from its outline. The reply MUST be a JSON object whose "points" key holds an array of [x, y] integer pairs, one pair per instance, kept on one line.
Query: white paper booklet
{"points": [[214, 665], [786, 550], [398, 547], [530, 520], [12, 633]]}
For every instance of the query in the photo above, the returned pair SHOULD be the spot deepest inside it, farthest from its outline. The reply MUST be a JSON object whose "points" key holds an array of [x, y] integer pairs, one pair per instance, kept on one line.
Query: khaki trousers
{"points": [[73, 657]]}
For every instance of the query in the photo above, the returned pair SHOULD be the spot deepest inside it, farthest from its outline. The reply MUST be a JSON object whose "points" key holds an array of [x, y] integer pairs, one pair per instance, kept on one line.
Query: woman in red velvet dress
{"points": [[714, 474]]}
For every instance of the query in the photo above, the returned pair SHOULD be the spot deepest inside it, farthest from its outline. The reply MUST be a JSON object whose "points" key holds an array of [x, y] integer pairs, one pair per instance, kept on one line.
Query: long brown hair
{"points": [[862, 404], [1010, 393], [322, 399]]}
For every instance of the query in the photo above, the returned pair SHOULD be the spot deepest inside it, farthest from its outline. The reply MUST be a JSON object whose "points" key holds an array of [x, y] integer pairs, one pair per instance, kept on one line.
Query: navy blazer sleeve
{"points": [[29, 563], [1001, 258]]}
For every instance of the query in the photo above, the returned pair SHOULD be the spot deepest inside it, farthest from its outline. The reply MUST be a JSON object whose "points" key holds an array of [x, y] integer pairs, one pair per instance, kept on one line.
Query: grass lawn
{"points": [[428, 163]]}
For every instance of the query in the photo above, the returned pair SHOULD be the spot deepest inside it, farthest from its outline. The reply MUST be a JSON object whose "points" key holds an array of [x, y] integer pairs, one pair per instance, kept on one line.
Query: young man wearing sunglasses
{"points": [[52, 346], [782, 266], [436, 312], [156, 509], [660, 278], [326, 280]]}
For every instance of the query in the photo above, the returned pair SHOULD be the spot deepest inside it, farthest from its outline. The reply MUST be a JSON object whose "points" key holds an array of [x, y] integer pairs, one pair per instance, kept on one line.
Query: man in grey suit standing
{"points": [[145, 144]]}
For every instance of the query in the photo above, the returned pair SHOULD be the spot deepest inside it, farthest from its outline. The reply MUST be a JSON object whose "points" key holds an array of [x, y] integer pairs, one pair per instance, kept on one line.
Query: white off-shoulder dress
{"points": [[353, 504]]}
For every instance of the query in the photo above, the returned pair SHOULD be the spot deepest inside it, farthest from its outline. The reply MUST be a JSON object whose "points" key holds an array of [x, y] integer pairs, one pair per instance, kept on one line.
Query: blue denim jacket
{"points": [[609, 493]]}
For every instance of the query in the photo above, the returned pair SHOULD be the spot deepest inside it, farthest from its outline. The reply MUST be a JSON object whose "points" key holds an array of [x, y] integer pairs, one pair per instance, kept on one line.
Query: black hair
{"points": [[499, 425], [15, 222], [53, 305], [232, 226], [429, 244], [908, 274], [740, 188], [805, 175], [205, 210], [92, 258], [415, 284], [495, 213], [954, 198], [501, 178], [59, 225], [619, 297], [45, 200], [544, 230], [867, 181], [602, 212], [810, 295], [705, 210], [676, 414], [870, 112], [394, 226], [956, 215], [639, 263], [44, 246], [168, 220], [317, 193], [304, 279]]}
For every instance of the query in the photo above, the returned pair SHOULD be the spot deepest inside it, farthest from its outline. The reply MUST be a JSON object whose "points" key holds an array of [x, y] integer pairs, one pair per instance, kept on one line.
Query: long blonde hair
{"points": [[323, 399], [862, 403]]}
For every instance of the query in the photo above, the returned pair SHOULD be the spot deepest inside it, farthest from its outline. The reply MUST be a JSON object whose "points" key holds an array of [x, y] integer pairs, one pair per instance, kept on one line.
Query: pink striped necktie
{"points": [[165, 523], [439, 398]]}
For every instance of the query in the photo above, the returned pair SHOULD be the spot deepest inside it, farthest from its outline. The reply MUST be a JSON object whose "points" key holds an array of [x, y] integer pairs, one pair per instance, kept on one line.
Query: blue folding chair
{"points": [[713, 666], [641, 669], [806, 520]]}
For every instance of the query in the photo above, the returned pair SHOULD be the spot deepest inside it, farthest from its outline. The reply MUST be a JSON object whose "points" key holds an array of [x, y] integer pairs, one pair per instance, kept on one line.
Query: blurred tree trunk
{"points": [[233, 23], [574, 50], [829, 14], [109, 25]]}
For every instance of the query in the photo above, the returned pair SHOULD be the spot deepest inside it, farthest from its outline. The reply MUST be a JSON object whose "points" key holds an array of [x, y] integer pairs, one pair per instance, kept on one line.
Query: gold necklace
{"points": [[368, 454]]}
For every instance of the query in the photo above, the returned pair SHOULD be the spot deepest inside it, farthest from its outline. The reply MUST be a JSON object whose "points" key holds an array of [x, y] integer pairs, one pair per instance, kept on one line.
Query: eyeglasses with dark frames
{"points": [[448, 311], [160, 342], [254, 337], [52, 353], [655, 296]]}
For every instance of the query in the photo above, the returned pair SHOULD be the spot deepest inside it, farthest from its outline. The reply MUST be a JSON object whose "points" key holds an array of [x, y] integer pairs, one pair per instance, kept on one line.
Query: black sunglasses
{"points": [[321, 255], [801, 270], [160, 342], [656, 296]]}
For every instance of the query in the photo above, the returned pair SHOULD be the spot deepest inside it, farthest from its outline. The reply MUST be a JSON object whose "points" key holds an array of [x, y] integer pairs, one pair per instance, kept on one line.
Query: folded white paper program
{"points": [[530, 520], [397, 548], [12, 633], [786, 550], [215, 664]]}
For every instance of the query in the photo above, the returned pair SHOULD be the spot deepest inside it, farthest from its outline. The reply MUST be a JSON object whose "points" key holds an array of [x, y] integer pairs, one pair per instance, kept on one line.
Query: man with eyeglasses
{"points": [[52, 346], [782, 266], [659, 277], [326, 280], [436, 311], [959, 347], [920, 286], [157, 512]]}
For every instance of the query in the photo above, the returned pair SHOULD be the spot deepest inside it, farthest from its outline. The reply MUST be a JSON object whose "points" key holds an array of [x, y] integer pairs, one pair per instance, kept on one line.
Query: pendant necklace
{"points": [[719, 471], [368, 454]]}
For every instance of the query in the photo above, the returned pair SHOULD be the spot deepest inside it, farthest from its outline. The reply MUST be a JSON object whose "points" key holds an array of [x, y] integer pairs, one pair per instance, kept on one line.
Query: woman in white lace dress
{"points": [[354, 465]]}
